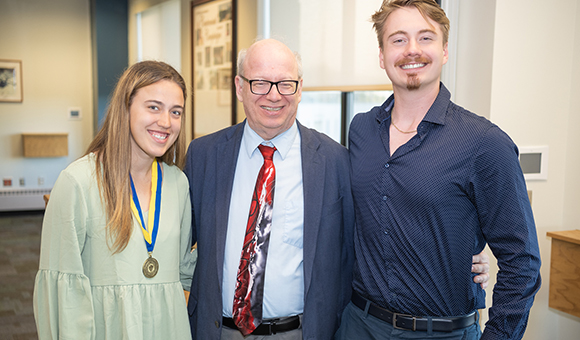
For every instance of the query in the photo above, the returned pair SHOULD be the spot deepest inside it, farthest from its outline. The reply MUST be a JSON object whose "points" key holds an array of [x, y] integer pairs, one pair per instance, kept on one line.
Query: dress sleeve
{"points": [[508, 226], [63, 306], [188, 256]]}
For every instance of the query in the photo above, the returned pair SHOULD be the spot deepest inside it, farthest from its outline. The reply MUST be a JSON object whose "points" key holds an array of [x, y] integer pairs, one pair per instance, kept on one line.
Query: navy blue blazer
{"points": [[328, 229]]}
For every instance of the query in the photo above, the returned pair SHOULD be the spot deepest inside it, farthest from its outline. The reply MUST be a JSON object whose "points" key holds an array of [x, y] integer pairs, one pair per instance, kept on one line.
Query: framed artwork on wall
{"points": [[10, 81], [213, 48]]}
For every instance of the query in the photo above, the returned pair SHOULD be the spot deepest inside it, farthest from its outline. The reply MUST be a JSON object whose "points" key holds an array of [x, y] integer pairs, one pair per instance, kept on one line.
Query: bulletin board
{"points": [[213, 51]]}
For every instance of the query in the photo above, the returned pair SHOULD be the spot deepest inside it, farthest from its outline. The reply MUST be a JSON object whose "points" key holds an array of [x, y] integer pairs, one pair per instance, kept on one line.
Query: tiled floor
{"points": [[19, 252]]}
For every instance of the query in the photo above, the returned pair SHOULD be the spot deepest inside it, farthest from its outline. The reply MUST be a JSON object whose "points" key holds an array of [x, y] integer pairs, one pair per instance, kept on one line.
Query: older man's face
{"points": [[270, 114]]}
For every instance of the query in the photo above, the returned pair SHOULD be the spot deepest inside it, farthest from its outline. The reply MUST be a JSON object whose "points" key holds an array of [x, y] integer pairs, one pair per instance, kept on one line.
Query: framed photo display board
{"points": [[213, 51], [10, 81]]}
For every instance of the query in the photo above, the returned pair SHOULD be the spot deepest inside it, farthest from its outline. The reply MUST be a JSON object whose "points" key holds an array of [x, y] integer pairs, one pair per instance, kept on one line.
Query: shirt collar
{"points": [[283, 142], [436, 113]]}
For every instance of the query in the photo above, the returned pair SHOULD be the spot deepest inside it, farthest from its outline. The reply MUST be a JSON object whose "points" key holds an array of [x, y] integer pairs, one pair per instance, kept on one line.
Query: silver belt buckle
{"points": [[395, 315], [272, 325]]}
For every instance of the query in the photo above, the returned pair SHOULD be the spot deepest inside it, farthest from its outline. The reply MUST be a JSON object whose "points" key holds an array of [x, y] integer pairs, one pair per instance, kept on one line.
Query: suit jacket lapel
{"points": [[313, 166], [226, 160]]}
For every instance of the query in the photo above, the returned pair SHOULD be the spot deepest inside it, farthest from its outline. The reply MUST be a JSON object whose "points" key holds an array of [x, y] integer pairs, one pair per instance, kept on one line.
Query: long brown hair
{"points": [[112, 145]]}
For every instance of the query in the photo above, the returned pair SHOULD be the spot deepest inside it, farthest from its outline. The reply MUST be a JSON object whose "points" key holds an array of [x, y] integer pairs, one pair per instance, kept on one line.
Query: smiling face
{"points": [[271, 114], [413, 52], [155, 118]]}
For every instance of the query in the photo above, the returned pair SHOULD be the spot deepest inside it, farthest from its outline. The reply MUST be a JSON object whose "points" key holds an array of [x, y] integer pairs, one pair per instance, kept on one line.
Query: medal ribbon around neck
{"points": [[154, 206]]}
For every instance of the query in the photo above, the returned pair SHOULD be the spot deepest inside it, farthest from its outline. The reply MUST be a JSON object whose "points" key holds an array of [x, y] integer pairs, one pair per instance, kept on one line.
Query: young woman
{"points": [[116, 253]]}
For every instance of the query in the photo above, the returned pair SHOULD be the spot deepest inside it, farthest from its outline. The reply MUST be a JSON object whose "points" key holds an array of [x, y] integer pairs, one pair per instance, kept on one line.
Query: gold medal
{"points": [[150, 267]]}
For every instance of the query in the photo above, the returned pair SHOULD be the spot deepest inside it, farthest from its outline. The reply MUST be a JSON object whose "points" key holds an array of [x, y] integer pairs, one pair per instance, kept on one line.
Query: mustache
{"points": [[407, 60]]}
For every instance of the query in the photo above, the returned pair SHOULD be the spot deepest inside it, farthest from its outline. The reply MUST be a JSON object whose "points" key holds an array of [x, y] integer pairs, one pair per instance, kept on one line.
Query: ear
{"points": [[445, 53], [299, 91], [381, 59], [238, 82]]}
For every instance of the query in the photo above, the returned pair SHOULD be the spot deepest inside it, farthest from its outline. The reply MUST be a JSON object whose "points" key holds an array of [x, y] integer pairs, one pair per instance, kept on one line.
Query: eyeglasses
{"points": [[263, 87]]}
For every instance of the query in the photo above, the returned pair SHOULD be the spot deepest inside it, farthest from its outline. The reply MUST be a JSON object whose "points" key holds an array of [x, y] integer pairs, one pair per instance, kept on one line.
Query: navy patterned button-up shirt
{"points": [[424, 211]]}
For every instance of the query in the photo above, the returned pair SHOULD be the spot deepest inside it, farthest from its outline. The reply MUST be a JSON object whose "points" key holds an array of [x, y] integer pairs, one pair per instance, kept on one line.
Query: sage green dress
{"points": [[83, 291]]}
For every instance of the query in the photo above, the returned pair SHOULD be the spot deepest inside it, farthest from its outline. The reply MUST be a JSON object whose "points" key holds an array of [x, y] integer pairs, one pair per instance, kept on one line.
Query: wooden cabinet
{"points": [[565, 272], [45, 144]]}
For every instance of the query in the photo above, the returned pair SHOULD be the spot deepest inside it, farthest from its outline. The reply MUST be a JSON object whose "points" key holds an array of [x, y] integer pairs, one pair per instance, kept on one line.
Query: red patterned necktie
{"points": [[247, 312]]}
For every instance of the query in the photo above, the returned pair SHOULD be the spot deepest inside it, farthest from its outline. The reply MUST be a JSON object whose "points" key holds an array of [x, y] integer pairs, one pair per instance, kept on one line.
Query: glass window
{"points": [[320, 110], [363, 101]]}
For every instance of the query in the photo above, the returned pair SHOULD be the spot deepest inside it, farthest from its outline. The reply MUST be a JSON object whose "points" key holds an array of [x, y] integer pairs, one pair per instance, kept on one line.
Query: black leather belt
{"points": [[269, 326], [414, 323]]}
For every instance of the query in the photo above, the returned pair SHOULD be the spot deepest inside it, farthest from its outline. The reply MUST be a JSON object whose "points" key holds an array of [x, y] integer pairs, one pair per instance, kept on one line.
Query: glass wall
{"points": [[321, 110], [363, 101], [324, 111]]}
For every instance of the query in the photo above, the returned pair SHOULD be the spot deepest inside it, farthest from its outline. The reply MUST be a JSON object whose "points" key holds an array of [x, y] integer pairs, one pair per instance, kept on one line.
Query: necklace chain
{"points": [[401, 131]]}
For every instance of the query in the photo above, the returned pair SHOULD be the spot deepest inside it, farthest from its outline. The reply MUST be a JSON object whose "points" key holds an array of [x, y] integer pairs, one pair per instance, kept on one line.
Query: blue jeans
{"points": [[357, 324]]}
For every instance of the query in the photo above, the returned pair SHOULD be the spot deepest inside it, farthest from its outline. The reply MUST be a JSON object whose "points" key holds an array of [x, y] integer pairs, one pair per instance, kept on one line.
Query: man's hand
{"points": [[481, 267]]}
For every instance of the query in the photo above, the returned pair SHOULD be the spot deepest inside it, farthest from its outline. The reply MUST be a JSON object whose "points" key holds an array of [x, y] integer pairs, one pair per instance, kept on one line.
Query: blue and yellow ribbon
{"points": [[154, 206]]}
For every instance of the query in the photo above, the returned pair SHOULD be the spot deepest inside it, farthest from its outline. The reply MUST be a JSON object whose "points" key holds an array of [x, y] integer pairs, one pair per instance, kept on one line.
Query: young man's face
{"points": [[413, 53]]}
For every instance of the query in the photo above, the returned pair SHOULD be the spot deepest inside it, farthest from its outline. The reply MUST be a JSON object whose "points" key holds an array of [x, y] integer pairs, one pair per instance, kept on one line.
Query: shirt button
{"points": [[387, 165], [384, 198]]}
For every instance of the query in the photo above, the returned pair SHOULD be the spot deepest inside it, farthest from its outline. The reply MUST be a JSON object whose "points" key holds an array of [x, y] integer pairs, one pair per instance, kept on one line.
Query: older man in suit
{"points": [[307, 272]]}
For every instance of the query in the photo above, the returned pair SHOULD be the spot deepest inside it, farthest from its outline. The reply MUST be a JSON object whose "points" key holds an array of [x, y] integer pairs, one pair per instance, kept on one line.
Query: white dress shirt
{"points": [[284, 277]]}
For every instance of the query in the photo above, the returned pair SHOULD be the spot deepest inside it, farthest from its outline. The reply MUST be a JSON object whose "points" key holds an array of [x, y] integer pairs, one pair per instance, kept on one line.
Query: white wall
{"points": [[534, 98], [571, 219], [335, 38], [136, 6], [475, 38], [159, 33], [53, 40]]}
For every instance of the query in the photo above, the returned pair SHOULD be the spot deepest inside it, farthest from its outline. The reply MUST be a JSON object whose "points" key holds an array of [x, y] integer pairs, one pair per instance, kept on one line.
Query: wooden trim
{"points": [[234, 59], [199, 2], [350, 88], [572, 236], [564, 282]]}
